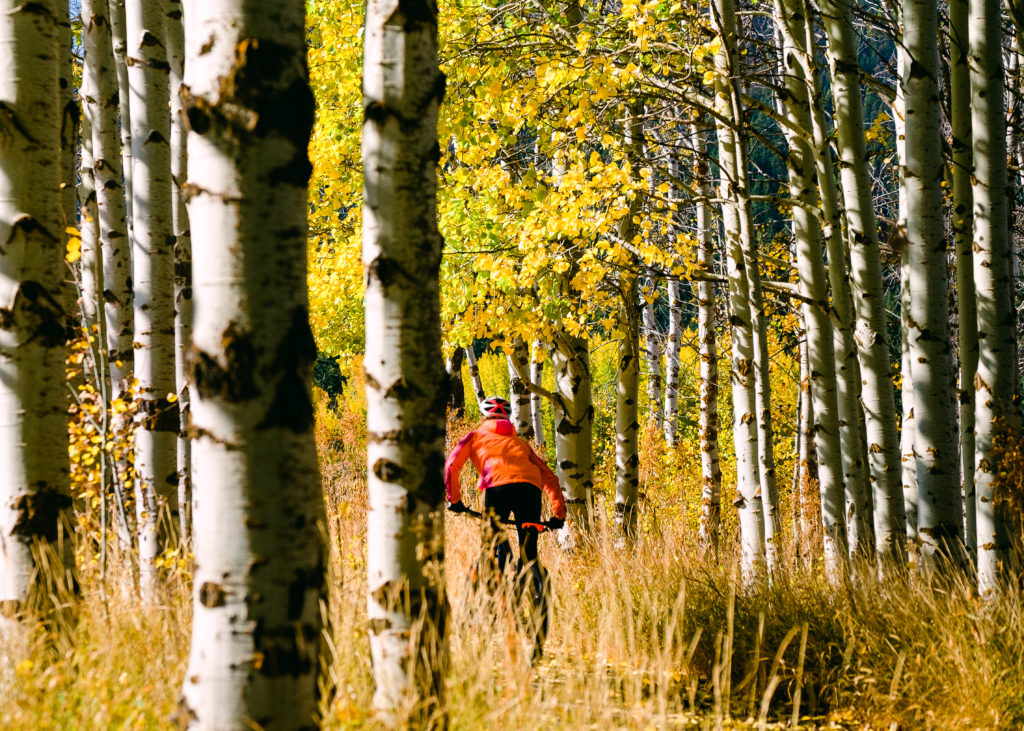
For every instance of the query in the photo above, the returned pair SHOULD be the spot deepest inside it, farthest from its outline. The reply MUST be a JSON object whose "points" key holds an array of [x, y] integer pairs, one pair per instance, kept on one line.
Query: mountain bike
{"points": [[527, 597]]}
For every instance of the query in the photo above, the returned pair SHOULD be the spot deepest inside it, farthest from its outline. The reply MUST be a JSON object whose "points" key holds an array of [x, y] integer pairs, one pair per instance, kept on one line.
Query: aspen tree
{"points": [[574, 420], [814, 290], [963, 230], [673, 344], [748, 497], [119, 38], [259, 556], [710, 467], [35, 490], [407, 607], [858, 499], [519, 372], [156, 491], [474, 376], [994, 382], [70, 118], [870, 333], [536, 405], [627, 374], [174, 32], [652, 348], [939, 519]]}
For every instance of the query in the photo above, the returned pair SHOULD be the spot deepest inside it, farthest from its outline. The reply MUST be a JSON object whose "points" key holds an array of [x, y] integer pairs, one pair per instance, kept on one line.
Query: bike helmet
{"points": [[495, 407]]}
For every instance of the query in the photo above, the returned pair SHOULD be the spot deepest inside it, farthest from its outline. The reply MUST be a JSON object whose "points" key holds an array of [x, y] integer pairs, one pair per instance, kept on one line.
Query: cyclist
{"points": [[512, 477]]}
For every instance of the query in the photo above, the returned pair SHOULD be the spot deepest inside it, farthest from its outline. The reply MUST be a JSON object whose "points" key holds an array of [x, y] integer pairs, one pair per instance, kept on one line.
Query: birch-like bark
{"points": [[457, 390], [89, 282], [748, 495], [174, 32], [536, 405], [407, 607], [995, 378], [858, 498], [574, 420], [519, 373], [710, 466], [870, 332], [814, 289], [119, 39], [259, 557], [809, 496], [156, 492], [627, 390], [963, 232], [939, 519], [474, 376], [652, 348], [908, 432], [70, 118], [34, 490], [673, 344]]}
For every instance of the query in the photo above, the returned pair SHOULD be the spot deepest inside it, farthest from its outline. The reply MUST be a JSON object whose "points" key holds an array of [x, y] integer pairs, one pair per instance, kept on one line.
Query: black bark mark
{"points": [[38, 514], [236, 381], [212, 595], [291, 407]]}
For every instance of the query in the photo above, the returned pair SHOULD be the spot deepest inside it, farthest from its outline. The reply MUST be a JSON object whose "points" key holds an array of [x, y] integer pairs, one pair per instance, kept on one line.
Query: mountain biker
{"points": [[512, 477]]}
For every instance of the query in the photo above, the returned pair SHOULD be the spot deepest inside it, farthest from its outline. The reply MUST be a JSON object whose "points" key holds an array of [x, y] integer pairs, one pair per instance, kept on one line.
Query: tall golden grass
{"points": [[650, 636]]}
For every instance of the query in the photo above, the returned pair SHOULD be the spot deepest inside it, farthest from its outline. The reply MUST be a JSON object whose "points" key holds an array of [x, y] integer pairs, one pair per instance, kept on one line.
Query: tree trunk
{"points": [[652, 346], [574, 419], [474, 376], [536, 405], [627, 383], [858, 497], [995, 378], [402, 88], [748, 496], [457, 390], [119, 38], [156, 491], [710, 467], [809, 495], [259, 568], [963, 233], [814, 289], [672, 347], [519, 372], [870, 335], [174, 32], [939, 519], [35, 490]]}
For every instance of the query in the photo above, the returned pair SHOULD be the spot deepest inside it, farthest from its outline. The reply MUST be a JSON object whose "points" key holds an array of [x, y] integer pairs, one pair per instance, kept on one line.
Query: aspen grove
{"points": [[746, 274]]}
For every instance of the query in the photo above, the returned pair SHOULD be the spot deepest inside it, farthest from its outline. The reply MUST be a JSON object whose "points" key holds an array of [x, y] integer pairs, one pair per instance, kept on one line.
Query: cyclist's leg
{"points": [[497, 506], [527, 506]]}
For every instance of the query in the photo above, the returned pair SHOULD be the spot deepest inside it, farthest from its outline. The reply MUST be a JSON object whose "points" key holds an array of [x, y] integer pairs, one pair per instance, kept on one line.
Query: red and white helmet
{"points": [[495, 407]]}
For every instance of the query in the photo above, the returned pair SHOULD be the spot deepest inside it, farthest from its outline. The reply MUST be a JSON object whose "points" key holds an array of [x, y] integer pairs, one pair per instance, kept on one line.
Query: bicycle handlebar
{"points": [[539, 527]]}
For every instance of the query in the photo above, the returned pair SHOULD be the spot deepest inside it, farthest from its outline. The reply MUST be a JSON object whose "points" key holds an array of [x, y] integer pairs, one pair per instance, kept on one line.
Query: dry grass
{"points": [[649, 636]]}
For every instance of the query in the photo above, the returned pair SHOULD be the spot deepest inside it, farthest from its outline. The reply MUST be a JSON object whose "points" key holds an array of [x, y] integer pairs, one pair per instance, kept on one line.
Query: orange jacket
{"points": [[501, 458]]}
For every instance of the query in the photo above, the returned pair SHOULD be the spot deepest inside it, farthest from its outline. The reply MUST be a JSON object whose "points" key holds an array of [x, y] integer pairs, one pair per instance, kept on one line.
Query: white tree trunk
{"points": [[673, 345], [259, 557], [963, 240], [474, 376], [814, 289], [119, 38], [652, 349], [407, 608], [870, 334], [156, 492], [536, 405], [174, 31], [574, 419], [939, 519], [710, 466], [627, 393], [519, 372], [34, 490], [748, 496], [995, 379]]}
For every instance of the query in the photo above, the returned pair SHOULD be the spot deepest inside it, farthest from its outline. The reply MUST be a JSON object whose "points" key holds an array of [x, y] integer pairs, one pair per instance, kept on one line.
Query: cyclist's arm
{"points": [[550, 486], [453, 465]]}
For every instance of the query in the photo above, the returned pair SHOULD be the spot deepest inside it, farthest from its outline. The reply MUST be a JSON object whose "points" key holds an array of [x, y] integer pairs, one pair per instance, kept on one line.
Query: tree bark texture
{"points": [[407, 605], [939, 519], [35, 490], [536, 404], [519, 372], [995, 378], [258, 508]]}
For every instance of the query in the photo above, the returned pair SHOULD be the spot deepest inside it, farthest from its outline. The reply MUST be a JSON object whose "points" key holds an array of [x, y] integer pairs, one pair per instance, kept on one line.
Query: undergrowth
{"points": [[653, 635]]}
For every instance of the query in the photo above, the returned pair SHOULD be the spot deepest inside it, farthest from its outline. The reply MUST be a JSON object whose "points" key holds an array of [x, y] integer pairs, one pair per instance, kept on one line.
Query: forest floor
{"points": [[649, 636]]}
